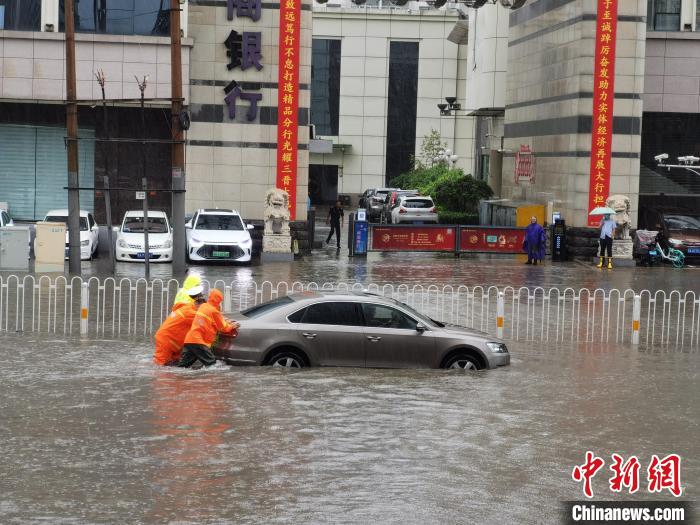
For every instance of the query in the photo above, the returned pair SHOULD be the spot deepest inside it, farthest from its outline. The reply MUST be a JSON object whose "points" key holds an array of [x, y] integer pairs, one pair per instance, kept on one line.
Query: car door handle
{"points": [[309, 335], [374, 338]]}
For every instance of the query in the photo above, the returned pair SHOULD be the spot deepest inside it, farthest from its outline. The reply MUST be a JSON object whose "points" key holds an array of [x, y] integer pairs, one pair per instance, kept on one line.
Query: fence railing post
{"points": [[636, 314], [84, 298], [500, 312], [227, 299]]}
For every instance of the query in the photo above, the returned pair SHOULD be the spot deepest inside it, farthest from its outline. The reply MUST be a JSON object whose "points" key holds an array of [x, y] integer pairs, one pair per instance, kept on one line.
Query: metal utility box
{"points": [[559, 240], [14, 248], [50, 246]]}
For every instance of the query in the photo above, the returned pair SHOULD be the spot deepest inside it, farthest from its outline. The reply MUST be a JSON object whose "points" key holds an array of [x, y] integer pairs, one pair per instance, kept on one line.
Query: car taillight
{"points": [[403, 210], [432, 210]]}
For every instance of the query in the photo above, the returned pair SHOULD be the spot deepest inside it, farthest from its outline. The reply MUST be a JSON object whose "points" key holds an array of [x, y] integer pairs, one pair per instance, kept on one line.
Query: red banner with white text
{"points": [[288, 100], [603, 100]]}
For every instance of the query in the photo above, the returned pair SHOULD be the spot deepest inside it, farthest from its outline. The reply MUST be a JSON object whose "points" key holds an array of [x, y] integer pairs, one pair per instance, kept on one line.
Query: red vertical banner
{"points": [[288, 100], [603, 100]]}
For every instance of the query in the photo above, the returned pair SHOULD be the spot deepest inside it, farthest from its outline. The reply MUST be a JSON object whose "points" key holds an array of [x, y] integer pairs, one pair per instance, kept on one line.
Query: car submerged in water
{"points": [[354, 329]]}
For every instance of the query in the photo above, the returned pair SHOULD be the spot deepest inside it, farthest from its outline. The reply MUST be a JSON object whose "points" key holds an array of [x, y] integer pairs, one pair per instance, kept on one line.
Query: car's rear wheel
{"points": [[286, 359], [463, 362]]}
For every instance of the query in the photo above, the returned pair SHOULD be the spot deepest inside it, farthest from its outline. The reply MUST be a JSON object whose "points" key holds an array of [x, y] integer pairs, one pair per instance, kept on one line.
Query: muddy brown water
{"points": [[92, 432]]}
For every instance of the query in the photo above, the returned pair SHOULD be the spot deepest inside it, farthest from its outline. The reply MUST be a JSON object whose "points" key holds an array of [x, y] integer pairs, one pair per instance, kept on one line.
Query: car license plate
{"points": [[652, 252], [220, 254], [142, 255], [694, 250]]}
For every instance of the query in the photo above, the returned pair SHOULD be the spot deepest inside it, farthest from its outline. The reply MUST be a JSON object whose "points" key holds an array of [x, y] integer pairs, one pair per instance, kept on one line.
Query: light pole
{"points": [[448, 110]]}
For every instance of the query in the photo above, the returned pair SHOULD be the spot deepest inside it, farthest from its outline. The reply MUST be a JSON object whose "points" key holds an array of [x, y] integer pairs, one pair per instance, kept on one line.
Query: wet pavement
{"points": [[330, 265], [92, 432]]}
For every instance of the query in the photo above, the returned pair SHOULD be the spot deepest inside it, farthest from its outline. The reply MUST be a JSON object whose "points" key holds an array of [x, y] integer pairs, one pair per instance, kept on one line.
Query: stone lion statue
{"points": [[276, 212], [621, 205]]}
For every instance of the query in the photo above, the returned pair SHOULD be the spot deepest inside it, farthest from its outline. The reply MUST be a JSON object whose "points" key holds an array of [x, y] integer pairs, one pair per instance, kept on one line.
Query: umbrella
{"points": [[603, 210]]}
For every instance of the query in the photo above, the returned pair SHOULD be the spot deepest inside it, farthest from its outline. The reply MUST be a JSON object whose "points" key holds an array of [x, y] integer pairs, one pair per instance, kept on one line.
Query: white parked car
{"points": [[131, 239], [414, 210], [5, 219], [218, 235], [89, 232]]}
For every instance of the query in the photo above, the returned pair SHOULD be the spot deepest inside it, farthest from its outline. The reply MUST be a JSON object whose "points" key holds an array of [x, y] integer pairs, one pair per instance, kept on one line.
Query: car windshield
{"points": [[418, 203], [64, 219], [219, 222], [136, 225], [262, 309], [682, 222]]}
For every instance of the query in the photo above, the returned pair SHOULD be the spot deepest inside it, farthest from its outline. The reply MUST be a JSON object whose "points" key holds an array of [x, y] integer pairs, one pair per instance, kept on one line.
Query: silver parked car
{"points": [[354, 329]]}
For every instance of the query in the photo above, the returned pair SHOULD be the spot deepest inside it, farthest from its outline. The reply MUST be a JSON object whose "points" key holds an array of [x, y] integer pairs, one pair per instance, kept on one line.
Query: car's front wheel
{"points": [[463, 362], [286, 359]]}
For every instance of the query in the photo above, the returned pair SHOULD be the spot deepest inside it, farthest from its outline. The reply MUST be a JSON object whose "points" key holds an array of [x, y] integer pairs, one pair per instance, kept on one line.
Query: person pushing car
{"points": [[207, 323], [171, 335]]}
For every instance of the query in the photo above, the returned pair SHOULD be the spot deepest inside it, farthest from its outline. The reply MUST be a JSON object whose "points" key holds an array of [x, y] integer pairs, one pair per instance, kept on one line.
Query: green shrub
{"points": [[458, 217], [451, 189]]}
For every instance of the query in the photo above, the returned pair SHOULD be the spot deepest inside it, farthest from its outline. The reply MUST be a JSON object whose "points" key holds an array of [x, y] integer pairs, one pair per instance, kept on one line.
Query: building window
{"points": [[484, 167], [20, 15], [664, 15], [401, 108], [325, 86], [120, 17]]}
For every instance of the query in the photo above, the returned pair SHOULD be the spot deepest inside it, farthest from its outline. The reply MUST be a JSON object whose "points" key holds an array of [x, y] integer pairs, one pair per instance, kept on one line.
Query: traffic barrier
{"points": [[134, 307]]}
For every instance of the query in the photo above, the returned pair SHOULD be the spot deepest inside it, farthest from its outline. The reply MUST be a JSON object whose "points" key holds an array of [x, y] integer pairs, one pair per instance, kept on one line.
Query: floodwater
{"points": [[92, 432]]}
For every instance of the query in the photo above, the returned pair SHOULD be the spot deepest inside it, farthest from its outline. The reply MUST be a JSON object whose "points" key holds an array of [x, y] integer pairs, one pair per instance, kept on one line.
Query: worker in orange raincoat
{"points": [[208, 322], [171, 335]]}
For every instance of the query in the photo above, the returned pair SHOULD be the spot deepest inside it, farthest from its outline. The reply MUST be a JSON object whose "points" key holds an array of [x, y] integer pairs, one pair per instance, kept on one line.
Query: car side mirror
{"points": [[250, 226], [115, 229], [188, 226], [420, 328]]}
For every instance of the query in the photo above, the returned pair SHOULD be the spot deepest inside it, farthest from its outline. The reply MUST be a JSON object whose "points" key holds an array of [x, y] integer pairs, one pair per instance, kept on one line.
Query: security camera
{"points": [[659, 158], [688, 159]]}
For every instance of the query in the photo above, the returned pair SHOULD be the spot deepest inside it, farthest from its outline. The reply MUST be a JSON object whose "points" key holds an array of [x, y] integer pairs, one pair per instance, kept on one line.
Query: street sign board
{"points": [[140, 195]]}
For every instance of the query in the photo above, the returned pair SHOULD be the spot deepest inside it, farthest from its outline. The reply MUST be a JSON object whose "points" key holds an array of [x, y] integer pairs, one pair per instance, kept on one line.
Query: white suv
{"points": [[218, 235], [414, 210]]}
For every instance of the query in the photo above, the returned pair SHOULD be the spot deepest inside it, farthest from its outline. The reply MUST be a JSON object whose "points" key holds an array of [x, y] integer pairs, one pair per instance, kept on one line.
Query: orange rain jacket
{"points": [[208, 322], [170, 337]]}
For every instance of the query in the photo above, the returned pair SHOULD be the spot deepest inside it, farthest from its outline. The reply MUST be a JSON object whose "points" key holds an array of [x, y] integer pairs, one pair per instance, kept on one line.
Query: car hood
{"points": [[685, 235], [455, 329], [220, 236], [153, 238], [84, 235]]}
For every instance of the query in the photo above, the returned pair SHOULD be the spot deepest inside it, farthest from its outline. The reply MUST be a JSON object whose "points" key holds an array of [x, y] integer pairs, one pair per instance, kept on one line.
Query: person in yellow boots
{"points": [[191, 281], [607, 227]]}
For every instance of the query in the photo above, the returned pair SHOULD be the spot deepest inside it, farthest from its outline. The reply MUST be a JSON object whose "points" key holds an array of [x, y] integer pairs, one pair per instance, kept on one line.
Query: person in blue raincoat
{"points": [[535, 242]]}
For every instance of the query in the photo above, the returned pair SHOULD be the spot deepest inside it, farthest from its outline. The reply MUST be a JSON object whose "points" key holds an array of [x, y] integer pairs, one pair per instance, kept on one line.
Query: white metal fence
{"points": [[125, 307]]}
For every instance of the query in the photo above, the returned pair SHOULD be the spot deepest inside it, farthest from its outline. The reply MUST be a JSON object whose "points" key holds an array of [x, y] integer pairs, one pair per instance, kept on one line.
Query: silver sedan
{"points": [[354, 329]]}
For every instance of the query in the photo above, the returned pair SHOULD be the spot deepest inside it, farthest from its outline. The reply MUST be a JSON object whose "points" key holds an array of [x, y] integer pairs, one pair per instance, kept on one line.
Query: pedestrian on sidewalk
{"points": [[535, 243], [607, 227], [336, 218]]}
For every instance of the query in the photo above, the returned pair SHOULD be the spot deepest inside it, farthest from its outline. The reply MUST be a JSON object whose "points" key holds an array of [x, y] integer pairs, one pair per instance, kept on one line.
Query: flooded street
{"points": [[92, 432]]}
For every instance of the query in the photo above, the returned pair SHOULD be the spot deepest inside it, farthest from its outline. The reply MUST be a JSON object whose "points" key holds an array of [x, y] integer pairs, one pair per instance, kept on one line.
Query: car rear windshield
{"points": [[135, 225], [63, 218], [219, 222], [682, 222], [263, 308], [418, 203]]}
